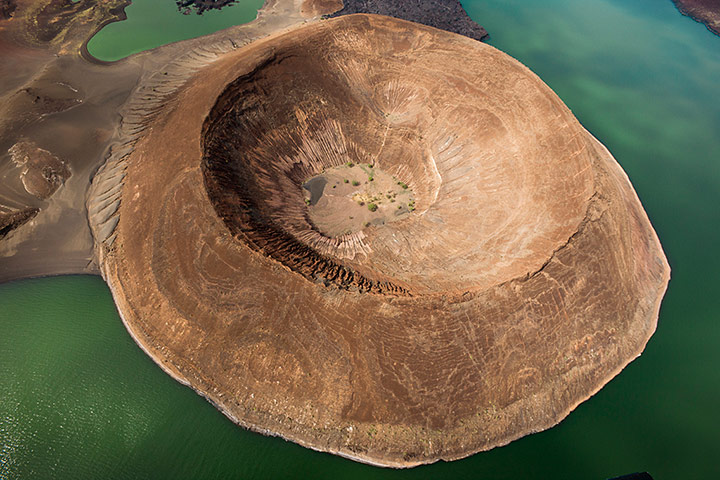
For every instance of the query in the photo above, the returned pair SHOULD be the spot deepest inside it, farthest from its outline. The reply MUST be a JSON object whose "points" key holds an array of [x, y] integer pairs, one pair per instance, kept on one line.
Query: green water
{"points": [[152, 23], [80, 401]]}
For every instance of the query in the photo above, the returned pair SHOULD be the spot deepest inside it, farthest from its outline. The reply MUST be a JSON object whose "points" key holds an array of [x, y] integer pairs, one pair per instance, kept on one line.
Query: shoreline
{"points": [[85, 53], [64, 105], [217, 404], [102, 207], [648, 331]]}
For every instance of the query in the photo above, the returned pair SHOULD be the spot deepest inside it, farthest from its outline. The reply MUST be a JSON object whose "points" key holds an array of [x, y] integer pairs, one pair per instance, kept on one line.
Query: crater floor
{"points": [[347, 199]]}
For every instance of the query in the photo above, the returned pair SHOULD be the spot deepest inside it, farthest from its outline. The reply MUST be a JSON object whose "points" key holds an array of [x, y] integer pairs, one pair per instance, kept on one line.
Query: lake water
{"points": [[152, 23], [80, 400]]}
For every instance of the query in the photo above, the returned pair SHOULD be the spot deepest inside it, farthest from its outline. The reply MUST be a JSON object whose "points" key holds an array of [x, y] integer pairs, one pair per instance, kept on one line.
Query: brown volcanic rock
{"points": [[526, 278], [59, 25], [7, 8]]}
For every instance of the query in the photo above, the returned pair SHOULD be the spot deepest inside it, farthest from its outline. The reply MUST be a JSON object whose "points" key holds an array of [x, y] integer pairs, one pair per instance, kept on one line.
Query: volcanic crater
{"points": [[496, 188], [523, 276]]}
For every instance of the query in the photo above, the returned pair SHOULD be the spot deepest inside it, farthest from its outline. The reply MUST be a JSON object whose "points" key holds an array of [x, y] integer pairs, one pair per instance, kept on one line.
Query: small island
{"points": [[519, 275], [202, 6]]}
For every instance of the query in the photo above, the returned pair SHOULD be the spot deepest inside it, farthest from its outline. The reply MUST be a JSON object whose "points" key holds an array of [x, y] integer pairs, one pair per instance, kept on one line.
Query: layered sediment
{"points": [[42, 172], [525, 278]]}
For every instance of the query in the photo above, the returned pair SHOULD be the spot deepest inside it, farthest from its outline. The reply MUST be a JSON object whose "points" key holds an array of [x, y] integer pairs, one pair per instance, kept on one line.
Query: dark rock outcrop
{"points": [[703, 11], [7, 8], [12, 220], [443, 14]]}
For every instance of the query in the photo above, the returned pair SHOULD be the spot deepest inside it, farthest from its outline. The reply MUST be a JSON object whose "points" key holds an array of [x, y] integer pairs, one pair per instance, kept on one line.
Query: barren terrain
{"points": [[58, 114]]}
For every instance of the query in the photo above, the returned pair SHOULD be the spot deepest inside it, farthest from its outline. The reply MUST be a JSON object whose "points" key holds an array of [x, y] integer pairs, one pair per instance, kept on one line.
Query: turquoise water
{"points": [[152, 23], [80, 400]]}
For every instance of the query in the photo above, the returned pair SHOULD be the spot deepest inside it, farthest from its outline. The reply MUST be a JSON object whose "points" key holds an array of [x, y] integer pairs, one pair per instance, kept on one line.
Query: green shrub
{"points": [[355, 183], [372, 207]]}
